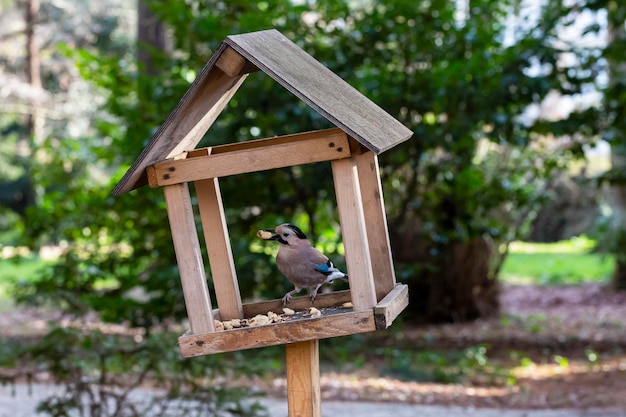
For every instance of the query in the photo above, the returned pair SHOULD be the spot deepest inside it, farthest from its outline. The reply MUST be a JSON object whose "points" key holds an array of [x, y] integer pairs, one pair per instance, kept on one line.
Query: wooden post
{"points": [[303, 379], [354, 233], [189, 258], [376, 223], [218, 249]]}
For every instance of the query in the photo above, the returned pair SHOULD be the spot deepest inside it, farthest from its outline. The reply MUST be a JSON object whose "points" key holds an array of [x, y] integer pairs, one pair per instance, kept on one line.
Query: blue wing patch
{"points": [[324, 268]]}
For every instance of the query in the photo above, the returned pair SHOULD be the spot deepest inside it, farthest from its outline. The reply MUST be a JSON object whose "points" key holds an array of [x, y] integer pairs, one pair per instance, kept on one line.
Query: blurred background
{"points": [[505, 209]]}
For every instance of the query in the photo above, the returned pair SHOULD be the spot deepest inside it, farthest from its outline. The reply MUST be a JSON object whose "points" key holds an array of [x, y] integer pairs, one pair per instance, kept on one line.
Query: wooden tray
{"points": [[334, 321]]}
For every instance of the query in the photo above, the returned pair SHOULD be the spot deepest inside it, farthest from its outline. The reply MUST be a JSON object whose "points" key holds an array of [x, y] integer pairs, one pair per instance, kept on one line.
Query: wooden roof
{"points": [[297, 71]]}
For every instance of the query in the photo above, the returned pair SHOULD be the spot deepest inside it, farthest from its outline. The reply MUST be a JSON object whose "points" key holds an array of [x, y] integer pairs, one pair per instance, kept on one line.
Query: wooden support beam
{"points": [[303, 379], [390, 307], [353, 231], [218, 249], [303, 302], [233, 64], [189, 258], [298, 328], [201, 111], [186, 126], [253, 156], [376, 223], [290, 331]]}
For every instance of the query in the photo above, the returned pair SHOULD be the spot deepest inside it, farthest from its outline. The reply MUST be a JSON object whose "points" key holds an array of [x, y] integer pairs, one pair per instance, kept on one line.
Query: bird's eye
{"points": [[285, 234]]}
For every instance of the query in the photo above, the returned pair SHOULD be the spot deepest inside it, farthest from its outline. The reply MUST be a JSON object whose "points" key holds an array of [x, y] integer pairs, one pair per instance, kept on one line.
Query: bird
{"points": [[302, 264]]}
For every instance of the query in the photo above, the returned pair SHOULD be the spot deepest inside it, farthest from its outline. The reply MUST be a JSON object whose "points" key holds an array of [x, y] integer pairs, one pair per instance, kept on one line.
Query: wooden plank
{"points": [[233, 64], [303, 302], [391, 306], [277, 334], [189, 258], [331, 134], [332, 299], [376, 223], [290, 66], [184, 127], [321, 89], [218, 248], [303, 379], [354, 233], [274, 153]]}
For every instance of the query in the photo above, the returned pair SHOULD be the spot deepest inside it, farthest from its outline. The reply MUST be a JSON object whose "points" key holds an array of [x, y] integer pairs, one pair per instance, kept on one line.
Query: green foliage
{"points": [[16, 269], [613, 122], [452, 366], [474, 168], [99, 370], [455, 81]]}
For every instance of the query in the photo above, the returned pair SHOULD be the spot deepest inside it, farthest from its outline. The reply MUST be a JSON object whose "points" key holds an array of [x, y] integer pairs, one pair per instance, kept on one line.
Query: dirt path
{"points": [[573, 340], [565, 348], [20, 401]]}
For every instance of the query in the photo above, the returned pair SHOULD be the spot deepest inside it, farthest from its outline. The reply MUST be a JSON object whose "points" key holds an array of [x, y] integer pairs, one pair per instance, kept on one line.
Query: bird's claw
{"points": [[286, 299]]}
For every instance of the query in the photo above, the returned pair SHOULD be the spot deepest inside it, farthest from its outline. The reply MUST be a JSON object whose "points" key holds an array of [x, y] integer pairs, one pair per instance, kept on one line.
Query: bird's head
{"points": [[285, 234]]}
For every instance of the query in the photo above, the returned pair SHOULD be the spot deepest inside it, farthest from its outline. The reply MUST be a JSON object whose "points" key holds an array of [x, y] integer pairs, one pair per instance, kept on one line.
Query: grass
{"points": [[17, 268], [567, 262]]}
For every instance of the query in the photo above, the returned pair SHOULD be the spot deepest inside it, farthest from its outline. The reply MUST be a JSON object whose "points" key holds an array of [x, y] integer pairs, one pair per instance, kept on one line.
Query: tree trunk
{"points": [[25, 195], [617, 199], [616, 108], [150, 39], [33, 72], [453, 286]]}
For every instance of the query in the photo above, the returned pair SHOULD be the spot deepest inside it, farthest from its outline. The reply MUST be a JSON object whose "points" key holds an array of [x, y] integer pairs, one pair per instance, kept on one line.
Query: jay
{"points": [[302, 264]]}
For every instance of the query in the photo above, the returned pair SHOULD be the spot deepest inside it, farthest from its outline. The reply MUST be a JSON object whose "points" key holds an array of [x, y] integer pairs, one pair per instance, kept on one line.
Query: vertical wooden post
{"points": [[218, 248], [303, 379], [376, 223], [189, 258], [354, 233]]}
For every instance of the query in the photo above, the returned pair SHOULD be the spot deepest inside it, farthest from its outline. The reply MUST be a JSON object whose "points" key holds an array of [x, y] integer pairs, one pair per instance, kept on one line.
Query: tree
{"points": [[614, 129], [72, 172], [454, 78], [456, 193], [462, 85]]}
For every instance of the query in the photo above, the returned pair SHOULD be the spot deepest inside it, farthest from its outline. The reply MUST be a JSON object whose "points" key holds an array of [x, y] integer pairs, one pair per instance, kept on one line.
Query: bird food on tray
{"points": [[272, 318]]}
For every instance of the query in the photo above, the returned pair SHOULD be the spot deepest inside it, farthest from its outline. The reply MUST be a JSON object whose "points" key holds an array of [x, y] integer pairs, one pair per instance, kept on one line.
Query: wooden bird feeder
{"points": [[170, 160]]}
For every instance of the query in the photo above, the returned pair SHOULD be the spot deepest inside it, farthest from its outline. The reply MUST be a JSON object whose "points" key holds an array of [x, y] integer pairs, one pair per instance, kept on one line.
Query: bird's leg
{"points": [[287, 296], [314, 293]]}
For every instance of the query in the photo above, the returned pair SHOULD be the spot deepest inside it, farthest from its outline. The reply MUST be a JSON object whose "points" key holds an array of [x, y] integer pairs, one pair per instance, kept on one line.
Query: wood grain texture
{"points": [[277, 334], [391, 306], [376, 223], [233, 64], [184, 127], [218, 248], [354, 233], [320, 88], [254, 156], [330, 134], [331, 299], [334, 323], [189, 258], [291, 67], [303, 379]]}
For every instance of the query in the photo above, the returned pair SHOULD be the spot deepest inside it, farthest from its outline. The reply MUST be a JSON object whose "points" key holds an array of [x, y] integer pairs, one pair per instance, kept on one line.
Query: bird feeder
{"points": [[171, 161]]}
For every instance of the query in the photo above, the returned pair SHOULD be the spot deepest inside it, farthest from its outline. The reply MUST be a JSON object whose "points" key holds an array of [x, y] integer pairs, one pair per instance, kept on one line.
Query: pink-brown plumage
{"points": [[302, 264]]}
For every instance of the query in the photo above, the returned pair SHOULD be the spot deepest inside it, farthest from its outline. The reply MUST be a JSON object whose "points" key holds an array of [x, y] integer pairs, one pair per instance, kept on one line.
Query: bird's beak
{"points": [[274, 235], [267, 234]]}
